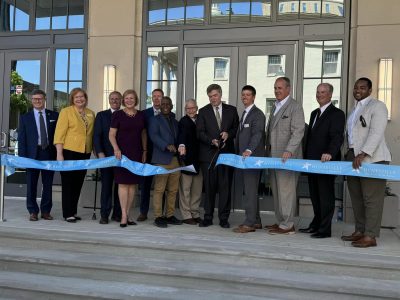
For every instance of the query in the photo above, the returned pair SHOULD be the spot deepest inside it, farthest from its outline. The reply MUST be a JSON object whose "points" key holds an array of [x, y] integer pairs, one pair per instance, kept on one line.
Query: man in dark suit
{"points": [[250, 141], [103, 148], [217, 124], [324, 139], [35, 140], [145, 186], [191, 184], [163, 132]]}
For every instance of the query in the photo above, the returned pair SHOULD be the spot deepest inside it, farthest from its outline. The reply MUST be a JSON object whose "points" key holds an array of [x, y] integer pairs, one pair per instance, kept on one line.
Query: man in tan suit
{"points": [[285, 132], [366, 144]]}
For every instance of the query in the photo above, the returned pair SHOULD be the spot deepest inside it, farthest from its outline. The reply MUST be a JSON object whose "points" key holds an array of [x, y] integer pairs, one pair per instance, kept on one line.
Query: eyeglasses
{"points": [[189, 108], [37, 99]]}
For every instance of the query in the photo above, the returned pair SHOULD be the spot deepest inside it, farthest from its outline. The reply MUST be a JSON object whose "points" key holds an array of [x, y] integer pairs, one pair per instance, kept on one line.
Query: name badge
{"points": [[246, 125]]}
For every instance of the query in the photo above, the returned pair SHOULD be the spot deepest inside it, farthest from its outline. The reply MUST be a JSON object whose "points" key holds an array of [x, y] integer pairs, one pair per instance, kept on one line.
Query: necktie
{"points": [[317, 116], [43, 133], [242, 119], [218, 116], [156, 112]]}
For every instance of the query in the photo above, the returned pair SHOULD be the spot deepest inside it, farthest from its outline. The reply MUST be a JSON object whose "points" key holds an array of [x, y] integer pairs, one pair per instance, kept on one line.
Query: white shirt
{"points": [[247, 109], [113, 110], [36, 114], [353, 118], [279, 104], [219, 110], [156, 111], [322, 109]]}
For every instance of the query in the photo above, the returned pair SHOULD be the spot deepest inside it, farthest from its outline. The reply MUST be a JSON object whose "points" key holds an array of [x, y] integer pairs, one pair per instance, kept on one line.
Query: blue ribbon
{"points": [[379, 171], [11, 162]]}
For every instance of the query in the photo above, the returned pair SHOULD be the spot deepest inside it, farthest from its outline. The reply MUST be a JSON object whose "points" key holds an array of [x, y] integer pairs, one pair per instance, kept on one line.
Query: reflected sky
{"points": [[29, 70]]}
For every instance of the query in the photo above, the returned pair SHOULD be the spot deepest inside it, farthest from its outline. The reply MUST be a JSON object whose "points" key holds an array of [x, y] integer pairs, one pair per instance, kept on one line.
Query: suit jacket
{"points": [[149, 115], [286, 130], [101, 141], [371, 139], [327, 135], [252, 135], [72, 132], [207, 130], [162, 136], [187, 136], [28, 134]]}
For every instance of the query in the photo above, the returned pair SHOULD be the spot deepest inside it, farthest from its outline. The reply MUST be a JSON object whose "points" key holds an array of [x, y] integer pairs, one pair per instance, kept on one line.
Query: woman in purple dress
{"points": [[128, 137]]}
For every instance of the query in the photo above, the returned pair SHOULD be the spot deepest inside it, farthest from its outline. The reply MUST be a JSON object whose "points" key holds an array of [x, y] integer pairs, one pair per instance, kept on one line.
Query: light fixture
{"points": [[109, 83], [385, 83]]}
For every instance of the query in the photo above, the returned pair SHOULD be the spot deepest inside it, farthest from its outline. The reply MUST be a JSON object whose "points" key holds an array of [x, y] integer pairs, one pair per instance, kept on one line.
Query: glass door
{"points": [[22, 73]]}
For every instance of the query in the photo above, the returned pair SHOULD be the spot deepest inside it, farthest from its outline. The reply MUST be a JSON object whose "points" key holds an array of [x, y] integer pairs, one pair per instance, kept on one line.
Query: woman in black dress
{"points": [[128, 137]]}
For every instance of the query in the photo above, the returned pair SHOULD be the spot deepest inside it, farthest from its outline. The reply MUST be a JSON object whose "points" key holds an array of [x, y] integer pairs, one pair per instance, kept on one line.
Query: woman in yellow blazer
{"points": [[73, 139]]}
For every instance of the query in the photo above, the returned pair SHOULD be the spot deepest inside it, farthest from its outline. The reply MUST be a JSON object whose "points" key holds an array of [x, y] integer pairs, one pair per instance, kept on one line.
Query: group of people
{"points": [[155, 136]]}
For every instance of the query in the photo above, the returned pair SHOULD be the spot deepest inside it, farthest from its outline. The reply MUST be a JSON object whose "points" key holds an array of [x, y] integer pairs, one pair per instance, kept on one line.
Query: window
{"points": [[221, 67], [330, 62], [175, 12], [236, 11], [289, 9], [59, 14], [68, 74], [275, 67], [14, 15]]}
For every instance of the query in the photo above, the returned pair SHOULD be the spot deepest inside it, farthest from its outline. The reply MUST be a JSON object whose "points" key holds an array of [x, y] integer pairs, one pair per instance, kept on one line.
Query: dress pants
{"points": [[107, 195], [190, 189], [32, 177], [145, 188], [168, 183], [322, 193], [246, 182], [367, 196], [283, 186], [71, 183], [218, 179]]}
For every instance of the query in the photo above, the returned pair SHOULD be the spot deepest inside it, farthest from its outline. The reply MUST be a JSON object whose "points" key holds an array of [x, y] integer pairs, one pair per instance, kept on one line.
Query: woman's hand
{"points": [[60, 157], [117, 154]]}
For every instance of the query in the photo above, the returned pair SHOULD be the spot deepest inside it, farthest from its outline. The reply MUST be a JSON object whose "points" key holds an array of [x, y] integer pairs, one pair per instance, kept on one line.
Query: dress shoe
{"points": [[103, 220], [244, 229], [355, 236], [273, 226], [70, 220], [190, 221], [173, 221], [47, 216], [282, 231], [131, 223], [258, 226], [142, 217], [33, 217], [77, 218], [224, 224], [205, 223], [364, 242], [318, 235], [122, 225], [198, 220], [161, 222], [116, 219], [308, 230]]}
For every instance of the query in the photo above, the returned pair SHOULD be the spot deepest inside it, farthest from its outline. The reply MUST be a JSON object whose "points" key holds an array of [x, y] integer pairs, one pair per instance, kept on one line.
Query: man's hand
{"points": [[101, 155], [117, 153], [215, 143], [326, 157], [182, 150], [358, 159], [224, 136], [246, 153], [171, 148], [286, 155]]}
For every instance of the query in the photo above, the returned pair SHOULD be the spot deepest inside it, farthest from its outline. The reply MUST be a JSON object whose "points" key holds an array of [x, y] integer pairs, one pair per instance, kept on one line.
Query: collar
{"points": [[282, 102], [248, 108], [219, 107], [37, 111], [113, 110], [324, 107], [363, 102]]}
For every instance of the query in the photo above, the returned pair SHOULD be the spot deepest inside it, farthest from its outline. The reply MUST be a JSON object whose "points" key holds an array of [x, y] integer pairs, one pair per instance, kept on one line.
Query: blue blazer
{"points": [[28, 134], [101, 141], [161, 135]]}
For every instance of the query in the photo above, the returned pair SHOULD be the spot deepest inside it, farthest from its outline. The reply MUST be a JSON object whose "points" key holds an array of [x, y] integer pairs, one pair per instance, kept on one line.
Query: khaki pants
{"points": [[168, 183], [190, 189]]}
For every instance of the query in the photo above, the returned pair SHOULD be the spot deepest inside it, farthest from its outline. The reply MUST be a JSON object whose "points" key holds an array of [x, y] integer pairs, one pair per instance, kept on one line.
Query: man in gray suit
{"points": [[366, 144], [285, 132], [250, 140]]}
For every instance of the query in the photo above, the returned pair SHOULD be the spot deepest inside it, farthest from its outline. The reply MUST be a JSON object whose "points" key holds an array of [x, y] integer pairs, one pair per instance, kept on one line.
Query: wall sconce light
{"points": [[385, 83], [109, 83]]}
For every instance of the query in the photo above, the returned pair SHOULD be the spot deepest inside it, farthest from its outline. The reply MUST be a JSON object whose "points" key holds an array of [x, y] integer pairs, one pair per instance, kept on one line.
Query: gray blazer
{"points": [[285, 131], [371, 138], [252, 134]]}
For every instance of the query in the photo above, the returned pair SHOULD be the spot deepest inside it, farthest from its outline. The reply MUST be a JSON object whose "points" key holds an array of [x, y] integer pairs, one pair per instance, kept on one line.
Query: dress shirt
{"points": [[219, 110], [279, 104], [247, 109], [113, 110], [322, 109], [156, 111], [36, 113], [353, 118]]}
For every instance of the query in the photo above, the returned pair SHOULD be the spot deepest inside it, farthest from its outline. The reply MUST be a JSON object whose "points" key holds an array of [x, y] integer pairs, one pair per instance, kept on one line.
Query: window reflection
{"points": [[220, 11], [157, 12], [43, 14], [312, 55], [75, 64], [22, 8], [175, 12], [288, 9], [310, 9], [240, 11], [76, 14], [59, 18], [292, 9], [261, 11], [61, 69], [194, 12]]}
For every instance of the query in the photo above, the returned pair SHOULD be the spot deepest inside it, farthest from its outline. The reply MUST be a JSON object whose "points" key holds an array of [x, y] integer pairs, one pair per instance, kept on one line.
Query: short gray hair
{"points": [[327, 85], [190, 100]]}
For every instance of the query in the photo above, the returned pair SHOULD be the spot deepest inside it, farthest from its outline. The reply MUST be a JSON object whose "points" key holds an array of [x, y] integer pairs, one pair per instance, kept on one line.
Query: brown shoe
{"points": [[355, 236], [258, 226], [142, 218], [244, 229], [33, 217], [273, 226], [364, 242], [282, 231], [190, 221], [47, 216]]}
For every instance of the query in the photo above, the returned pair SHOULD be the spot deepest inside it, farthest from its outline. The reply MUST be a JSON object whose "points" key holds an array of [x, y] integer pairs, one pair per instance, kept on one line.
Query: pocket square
{"points": [[285, 117], [246, 125], [52, 121]]}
